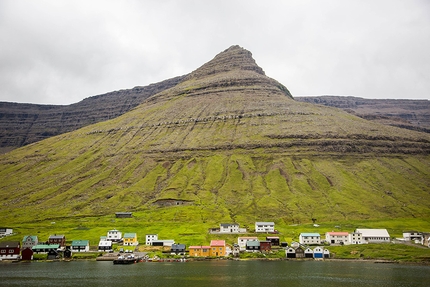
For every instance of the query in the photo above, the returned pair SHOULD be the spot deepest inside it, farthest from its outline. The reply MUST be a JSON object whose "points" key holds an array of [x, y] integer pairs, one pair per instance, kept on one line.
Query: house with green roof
{"points": [[80, 246], [29, 241], [130, 239]]}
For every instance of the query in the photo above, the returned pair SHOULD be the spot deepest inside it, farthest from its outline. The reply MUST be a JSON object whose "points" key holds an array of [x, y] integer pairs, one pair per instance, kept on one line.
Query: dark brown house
{"points": [[57, 239], [274, 240], [265, 246]]}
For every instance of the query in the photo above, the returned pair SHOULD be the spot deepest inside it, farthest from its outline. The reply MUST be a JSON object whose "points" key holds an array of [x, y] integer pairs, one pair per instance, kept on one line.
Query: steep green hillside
{"points": [[233, 145]]}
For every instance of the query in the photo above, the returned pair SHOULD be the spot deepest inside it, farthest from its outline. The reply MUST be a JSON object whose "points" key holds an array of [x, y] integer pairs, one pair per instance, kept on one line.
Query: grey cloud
{"points": [[63, 51]]}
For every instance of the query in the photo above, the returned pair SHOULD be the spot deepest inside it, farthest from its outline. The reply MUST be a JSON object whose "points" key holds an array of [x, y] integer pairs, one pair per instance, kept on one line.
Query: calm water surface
{"points": [[213, 273]]}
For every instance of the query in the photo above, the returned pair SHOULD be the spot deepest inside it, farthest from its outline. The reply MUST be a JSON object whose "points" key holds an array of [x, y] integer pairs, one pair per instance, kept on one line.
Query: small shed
{"points": [[67, 253], [291, 252], [27, 254], [123, 214], [318, 252], [326, 253], [309, 253], [52, 254], [300, 252]]}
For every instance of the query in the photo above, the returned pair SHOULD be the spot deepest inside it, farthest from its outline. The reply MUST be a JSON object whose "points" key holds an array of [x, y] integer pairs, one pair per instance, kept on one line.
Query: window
{"points": [[3, 251], [11, 251]]}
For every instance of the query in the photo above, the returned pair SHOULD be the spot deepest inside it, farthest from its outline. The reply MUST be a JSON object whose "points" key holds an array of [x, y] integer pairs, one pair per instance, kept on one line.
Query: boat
{"points": [[130, 259]]}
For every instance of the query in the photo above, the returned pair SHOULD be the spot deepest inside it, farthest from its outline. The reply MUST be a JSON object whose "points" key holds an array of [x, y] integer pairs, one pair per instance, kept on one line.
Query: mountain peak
{"points": [[233, 58]]}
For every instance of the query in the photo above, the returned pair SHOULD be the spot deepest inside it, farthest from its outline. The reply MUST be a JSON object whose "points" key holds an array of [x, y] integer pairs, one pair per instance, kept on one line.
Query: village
{"points": [[265, 240]]}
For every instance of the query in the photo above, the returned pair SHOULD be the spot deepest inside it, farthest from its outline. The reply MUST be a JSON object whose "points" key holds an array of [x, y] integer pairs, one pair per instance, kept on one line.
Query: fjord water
{"points": [[213, 273]]}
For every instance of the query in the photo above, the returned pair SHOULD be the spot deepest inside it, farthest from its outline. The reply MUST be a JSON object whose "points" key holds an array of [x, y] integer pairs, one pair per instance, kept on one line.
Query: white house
{"points": [[355, 238], [229, 228], [337, 237], [80, 245], [4, 231], [310, 238], [105, 245], [264, 227], [414, 236], [374, 235], [241, 241], [29, 241], [150, 237], [114, 235]]}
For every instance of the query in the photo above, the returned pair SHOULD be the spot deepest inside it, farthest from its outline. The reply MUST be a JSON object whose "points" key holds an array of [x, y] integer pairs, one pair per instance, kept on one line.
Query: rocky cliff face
{"points": [[22, 124], [409, 114]]}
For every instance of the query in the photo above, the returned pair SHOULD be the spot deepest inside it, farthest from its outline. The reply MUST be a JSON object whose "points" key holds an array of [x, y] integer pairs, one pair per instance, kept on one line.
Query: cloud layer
{"points": [[61, 52]]}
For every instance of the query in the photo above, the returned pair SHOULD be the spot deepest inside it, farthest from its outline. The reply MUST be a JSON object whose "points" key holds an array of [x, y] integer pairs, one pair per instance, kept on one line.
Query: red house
{"points": [[265, 246], [10, 250], [27, 254]]}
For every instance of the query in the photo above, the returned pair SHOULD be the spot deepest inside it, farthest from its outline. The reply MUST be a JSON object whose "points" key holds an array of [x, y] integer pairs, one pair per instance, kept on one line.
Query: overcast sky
{"points": [[60, 52]]}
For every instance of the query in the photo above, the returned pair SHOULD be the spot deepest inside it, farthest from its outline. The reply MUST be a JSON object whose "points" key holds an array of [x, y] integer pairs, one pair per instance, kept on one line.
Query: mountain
{"points": [[409, 114], [226, 144], [22, 124]]}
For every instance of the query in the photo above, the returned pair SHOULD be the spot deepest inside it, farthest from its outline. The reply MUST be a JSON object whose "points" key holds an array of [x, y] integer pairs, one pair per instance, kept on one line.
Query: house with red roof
{"points": [[337, 237], [218, 248]]}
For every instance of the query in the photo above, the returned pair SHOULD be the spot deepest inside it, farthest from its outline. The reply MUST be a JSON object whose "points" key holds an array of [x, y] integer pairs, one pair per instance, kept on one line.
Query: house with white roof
{"points": [[264, 227], [310, 238], [114, 235], [229, 228], [104, 245], [374, 235]]}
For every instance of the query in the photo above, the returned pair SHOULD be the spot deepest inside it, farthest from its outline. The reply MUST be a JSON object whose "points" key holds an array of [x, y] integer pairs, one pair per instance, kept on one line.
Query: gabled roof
{"points": [[129, 235], [337, 233], [217, 242], [46, 246], [253, 243], [228, 224], [105, 243], [178, 246], [310, 234], [199, 247], [265, 223], [9, 244], [56, 236], [373, 232], [33, 237], [248, 237], [80, 242]]}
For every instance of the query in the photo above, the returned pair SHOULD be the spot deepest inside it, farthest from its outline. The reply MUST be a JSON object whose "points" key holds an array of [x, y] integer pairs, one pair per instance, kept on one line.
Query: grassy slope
{"points": [[241, 153]]}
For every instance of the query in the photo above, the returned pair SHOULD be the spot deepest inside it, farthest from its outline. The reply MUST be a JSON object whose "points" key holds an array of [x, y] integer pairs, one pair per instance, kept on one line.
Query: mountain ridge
{"points": [[233, 143]]}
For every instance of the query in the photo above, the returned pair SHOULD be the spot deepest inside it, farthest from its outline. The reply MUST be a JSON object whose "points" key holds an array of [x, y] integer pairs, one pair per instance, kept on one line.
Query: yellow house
{"points": [[199, 251], [217, 248], [130, 239]]}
